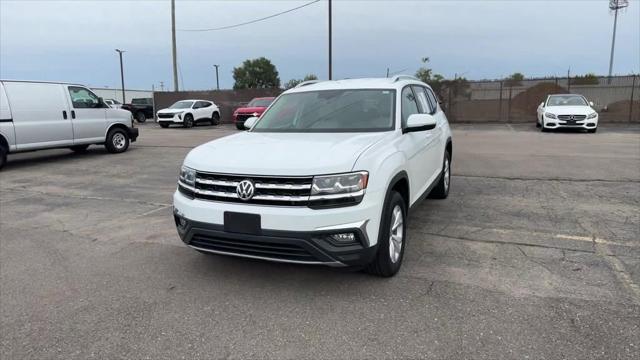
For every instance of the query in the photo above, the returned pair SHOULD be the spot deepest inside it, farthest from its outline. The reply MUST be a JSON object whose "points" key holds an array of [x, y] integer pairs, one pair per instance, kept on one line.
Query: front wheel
{"points": [[592, 131], [392, 238], [141, 117], [215, 118], [117, 141], [188, 121], [240, 126], [164, 125]]}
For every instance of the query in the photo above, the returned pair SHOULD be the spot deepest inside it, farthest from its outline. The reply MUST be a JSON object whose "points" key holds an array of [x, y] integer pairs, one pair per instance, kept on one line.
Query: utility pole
{"points": [[217, 81], [330, 72], [161, 86], [173, 40], [387, 72], [569, 80], [615, 5], [122, 75]]}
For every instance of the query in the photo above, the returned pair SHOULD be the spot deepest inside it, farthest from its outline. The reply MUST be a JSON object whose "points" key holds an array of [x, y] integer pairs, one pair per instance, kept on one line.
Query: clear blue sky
{"points": [[75, 40]]}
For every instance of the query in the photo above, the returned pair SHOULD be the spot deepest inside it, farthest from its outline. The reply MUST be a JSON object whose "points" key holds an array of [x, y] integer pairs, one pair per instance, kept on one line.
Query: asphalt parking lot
{"points": [[535, 254]]}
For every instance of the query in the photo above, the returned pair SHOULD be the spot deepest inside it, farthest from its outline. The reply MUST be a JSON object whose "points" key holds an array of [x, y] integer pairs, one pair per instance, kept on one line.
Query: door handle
{"points": [[73, 114], [64, 114]]}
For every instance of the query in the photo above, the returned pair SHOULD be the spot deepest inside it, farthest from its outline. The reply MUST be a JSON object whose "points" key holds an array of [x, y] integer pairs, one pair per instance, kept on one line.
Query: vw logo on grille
{"points": [[245, 190]]}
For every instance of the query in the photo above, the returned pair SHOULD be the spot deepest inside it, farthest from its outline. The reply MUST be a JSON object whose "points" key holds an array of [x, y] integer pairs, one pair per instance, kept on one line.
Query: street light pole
{"points": [[122, 75], [173, 45], [217, 82], [330, 70]]}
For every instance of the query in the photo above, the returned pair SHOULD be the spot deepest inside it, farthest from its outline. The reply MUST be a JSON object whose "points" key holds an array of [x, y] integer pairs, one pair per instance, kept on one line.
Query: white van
{"points": [[45, 115]]}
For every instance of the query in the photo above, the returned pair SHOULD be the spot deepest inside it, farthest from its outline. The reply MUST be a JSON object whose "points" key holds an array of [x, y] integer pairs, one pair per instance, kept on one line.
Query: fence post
{"points": [[500, 104], [509, 104], [633, 87]]}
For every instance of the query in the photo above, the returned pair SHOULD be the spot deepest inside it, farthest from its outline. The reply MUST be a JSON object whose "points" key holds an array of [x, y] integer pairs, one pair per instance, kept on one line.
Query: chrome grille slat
{"points": [[572, 117], [268, 190]]}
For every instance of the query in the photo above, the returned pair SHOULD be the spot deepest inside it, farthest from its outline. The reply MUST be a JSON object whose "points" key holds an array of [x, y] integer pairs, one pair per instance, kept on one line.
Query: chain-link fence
{"points": [[617, 99]]}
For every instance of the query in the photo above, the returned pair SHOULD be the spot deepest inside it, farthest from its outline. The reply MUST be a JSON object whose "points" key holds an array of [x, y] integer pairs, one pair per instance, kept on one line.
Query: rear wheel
{"points": [[392, 238], [79, 148], [188, 121], [164, 125], [117, 141], [3, 156], [441, 190], [239, 126], [141, 117], [215, 118]]}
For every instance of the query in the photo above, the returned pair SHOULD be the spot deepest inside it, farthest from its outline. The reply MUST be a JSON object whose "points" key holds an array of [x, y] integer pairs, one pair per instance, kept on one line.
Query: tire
{"points": [[441, 190], [79, 148], [388, 259], [592, 131], [3, 156], [215, 118], [141, 117], [117, 141], [188, 121], [542, 128], [164, 125], [239, 126], [538, 123]]}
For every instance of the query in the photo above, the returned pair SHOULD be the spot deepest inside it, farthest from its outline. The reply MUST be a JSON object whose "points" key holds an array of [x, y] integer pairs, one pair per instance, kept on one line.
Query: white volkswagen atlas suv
{"points": [[327, 175]]}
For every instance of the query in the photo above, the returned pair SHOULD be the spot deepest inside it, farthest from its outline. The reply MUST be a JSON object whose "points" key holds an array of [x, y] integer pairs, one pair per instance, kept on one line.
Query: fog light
{"points": [[180, 221], [343, 237]]}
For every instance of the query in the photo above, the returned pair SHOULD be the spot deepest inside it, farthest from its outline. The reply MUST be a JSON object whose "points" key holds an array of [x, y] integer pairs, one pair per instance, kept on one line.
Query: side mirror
{"points": [[419, 122], [541, 104], [248, 124], [591, 104]]}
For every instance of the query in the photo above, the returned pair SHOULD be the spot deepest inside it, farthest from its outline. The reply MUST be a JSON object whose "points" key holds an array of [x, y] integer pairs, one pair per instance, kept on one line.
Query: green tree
{"points": [[256, 73], [515, 79], [587, 79], [295, 82]]}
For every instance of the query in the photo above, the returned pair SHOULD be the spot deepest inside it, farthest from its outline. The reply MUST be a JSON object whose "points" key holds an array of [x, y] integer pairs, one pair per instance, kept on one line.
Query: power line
{"points": [[253, 21]]}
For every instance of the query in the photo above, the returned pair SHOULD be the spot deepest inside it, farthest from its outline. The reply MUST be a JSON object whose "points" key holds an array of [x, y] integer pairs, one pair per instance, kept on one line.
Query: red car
{"points": [[255, 107]]}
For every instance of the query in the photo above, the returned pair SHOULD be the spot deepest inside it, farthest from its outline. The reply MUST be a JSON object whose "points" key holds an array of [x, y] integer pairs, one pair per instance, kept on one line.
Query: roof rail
{"points": [[308, 82], [397, 78]]}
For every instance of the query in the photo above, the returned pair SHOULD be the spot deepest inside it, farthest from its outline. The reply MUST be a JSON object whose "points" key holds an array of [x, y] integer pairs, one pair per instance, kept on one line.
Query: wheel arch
{"points": [[114, 126], [4, 143], [400, 183]]}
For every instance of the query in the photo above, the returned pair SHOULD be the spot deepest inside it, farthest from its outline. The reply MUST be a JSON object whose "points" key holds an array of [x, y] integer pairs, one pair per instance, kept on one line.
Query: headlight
{"points": [[339, 189], [550, 115], [592, 116], [187, 176]]}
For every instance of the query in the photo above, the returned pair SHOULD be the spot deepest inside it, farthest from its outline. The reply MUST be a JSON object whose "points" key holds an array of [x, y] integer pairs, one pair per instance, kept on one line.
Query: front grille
{"points": [[263, 249], [165, 116], [572, 117], [284, 191], [243, 117]]}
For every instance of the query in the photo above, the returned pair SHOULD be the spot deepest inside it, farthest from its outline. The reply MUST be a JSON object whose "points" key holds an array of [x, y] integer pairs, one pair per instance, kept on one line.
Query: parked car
{"points": [[113, 103], [327, 176], [141, 108], [188, 113], [45, 115], [254, 108], [567, 111]]}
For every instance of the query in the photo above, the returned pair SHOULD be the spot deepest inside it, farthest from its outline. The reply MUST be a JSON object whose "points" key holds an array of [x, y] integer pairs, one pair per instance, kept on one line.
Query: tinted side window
{"points": [[204, 104], [82, 98], [432, 99], [409, 105], [421, 96]]}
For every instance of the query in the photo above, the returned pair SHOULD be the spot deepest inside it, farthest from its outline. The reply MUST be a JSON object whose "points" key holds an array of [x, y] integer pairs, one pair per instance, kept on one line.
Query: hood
{"points": [[171, 111], [569, 110], [295, 154], [258, 109]]}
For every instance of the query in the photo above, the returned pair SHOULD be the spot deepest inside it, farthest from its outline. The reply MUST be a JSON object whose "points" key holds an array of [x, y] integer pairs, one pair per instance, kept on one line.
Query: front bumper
{"points": [[133, 134], [288, 234], [586, 124], [172, 120]]}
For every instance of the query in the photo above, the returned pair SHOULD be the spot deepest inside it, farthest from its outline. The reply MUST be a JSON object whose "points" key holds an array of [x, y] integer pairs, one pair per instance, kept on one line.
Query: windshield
{"points": [[330, 111], [259, 103], [141, 101], [181, 105], [566, 100]]}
